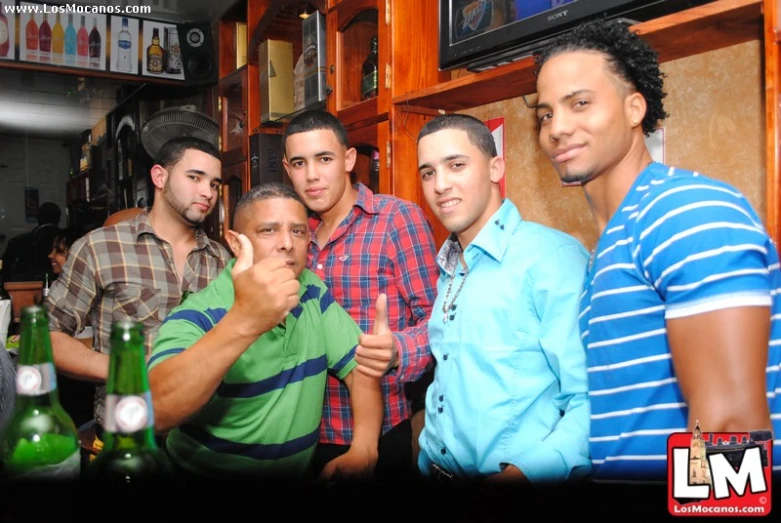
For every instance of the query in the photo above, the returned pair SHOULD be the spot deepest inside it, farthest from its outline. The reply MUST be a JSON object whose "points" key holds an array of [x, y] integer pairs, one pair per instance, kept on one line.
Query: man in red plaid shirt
{"points": [[365, 245]]}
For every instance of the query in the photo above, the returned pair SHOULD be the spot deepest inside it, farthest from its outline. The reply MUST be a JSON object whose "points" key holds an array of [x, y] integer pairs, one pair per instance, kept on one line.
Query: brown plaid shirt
{"points": [[126, 271]]}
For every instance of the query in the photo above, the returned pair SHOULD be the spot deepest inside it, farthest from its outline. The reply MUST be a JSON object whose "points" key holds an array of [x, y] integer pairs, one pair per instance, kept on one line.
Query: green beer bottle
{"points": [[130, 454], [40, 441]]}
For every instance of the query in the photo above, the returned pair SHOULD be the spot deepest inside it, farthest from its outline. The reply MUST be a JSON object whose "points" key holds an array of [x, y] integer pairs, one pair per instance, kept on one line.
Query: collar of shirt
{"points": [[493, 239], [364, 202], [140, 226]]}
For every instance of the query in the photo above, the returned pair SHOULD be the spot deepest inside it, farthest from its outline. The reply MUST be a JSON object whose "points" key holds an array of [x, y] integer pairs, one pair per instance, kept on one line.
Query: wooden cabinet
{"points": [[412, 90]]}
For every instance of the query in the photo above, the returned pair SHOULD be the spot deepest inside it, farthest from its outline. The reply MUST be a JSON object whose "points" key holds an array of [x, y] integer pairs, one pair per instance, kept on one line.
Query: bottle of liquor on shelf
{"points": [[31, 39], [5, 44], [130, 454], [82, 44], [124, 43], [173, 56], [40, 441], [70, 42], [95, 47], [58, 41], [369, 73], [45, 40], [154, 54]]}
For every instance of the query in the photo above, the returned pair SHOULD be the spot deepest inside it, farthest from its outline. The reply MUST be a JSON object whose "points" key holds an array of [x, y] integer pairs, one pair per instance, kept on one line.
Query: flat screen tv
{"points": [[481, 34]]}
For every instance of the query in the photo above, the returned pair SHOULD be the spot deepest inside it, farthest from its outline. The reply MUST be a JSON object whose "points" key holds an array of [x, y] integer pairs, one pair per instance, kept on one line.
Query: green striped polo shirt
{"points": [[264, 417]]}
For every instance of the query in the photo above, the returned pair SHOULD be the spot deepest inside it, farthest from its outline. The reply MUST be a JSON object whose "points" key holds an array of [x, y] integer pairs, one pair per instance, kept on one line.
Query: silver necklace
{"points": [[445, 307]]}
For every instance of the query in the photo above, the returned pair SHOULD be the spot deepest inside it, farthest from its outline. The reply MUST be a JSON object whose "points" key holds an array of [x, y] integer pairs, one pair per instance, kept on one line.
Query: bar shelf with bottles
{"points": [[355, 69]]}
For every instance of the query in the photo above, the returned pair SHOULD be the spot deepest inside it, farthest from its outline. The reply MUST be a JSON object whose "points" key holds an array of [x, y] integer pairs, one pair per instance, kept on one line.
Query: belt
{"points": [[441, 475]]}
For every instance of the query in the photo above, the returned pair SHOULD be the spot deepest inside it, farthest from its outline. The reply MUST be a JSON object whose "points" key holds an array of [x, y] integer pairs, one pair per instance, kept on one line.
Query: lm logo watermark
{"points": [[719, 473]]}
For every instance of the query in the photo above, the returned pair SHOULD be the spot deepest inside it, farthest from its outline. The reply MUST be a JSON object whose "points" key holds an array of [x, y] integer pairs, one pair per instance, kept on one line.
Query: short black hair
{"points": [[265, 191], [173, 150], [479, 134], [628, 56], [49, 212], [315, 120]]}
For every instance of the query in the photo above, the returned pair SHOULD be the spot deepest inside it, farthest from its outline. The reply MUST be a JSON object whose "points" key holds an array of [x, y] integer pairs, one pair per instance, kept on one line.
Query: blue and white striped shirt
{"points": [[680, 244]]}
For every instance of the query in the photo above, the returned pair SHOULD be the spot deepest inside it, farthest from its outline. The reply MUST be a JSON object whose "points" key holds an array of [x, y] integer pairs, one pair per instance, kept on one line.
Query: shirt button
{"points": [[320, 266], [441, 398], [440, 409], [443, 451], [444, 357]]}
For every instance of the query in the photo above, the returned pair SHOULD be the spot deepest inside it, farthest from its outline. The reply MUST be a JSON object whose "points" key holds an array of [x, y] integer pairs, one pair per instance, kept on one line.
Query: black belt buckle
{"points": [[441, 475]]}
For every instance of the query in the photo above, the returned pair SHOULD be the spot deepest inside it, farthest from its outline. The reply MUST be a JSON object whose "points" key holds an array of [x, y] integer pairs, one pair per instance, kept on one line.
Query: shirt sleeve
{"points": [[73, 294], [563, 454], [182, 328], [340, 335], [414, 255], [703, 248]]}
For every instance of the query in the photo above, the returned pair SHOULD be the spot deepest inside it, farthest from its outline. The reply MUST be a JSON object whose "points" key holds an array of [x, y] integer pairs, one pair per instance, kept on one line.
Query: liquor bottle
{"points": [[130, 454], [31, 39], [45, 287], [82, 44], [70, 42], [45, 39], [124, 42], [173, 56], [154, 54], [95, 49], [369, 73], [40, 442], [5, 45], [58, 41]]}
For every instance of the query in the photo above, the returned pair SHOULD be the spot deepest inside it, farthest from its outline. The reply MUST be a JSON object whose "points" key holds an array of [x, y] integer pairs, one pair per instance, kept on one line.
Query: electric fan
{"points": [[174, 122]]}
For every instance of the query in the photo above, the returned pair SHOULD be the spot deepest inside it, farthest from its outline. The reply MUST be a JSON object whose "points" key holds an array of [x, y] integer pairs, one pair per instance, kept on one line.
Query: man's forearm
{"points": [[184, 383], [75, 360], [367, 407]]}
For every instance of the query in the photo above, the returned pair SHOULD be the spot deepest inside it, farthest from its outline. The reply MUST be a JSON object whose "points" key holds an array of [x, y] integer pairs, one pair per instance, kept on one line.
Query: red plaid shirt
{"points": [[385, 245]]}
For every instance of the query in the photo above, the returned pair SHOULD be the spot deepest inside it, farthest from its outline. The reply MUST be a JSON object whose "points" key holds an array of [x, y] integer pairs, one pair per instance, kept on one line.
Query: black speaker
{"points": [[198, 56]]}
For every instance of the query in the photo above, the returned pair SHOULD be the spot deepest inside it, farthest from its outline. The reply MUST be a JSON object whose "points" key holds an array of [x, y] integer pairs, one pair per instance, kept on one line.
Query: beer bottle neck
{"points": [[129, 414]]}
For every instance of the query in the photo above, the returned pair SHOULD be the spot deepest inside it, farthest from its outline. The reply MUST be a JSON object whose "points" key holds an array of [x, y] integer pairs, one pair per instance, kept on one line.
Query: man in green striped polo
{"points": [[238, 371]]}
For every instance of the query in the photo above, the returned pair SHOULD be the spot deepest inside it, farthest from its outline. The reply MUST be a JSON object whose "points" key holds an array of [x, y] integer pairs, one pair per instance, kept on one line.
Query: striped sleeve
{"points": [[703, 248], [180, 330], [340, 335]]}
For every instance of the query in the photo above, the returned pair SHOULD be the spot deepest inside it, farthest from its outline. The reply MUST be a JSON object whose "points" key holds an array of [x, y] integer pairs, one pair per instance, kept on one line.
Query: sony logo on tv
{"points": [[556, 16]]}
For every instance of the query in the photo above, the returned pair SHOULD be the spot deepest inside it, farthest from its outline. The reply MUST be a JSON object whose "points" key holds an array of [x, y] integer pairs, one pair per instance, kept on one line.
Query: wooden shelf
{"points": [[280, 21], [29, 66], [231, 81], [701, 29], [361, 114]]}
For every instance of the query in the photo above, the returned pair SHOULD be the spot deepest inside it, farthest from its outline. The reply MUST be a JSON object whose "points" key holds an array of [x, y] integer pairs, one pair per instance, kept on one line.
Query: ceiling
{"points": [[170, 10], [52, 105], [60, 106]]}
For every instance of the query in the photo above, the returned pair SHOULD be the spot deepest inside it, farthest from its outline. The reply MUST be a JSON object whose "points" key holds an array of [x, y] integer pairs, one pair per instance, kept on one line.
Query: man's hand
{"points": [[265, 292], [377, 354], [510, 475], [356, 464]]}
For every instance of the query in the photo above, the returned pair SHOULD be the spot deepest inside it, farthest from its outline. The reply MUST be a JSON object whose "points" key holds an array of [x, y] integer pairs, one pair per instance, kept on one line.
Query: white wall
{"points": [[32, 162]]}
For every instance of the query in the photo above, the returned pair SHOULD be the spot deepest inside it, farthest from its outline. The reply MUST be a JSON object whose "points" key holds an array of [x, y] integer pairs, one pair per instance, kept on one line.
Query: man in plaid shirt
{"points": [[364, 245], [140, 268]]}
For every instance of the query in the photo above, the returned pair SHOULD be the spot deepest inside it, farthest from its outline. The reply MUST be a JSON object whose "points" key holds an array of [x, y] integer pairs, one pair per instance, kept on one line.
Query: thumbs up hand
{"points": [[376, 353], [264, 291]]}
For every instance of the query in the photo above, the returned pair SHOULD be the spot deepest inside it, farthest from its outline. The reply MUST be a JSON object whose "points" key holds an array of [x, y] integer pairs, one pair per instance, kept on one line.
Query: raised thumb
{"points": [[245, 257], [381, 317]]}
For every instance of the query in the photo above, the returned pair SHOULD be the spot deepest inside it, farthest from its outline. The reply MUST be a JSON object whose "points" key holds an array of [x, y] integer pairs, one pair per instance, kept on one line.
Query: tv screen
{"points": [[481, 34]]}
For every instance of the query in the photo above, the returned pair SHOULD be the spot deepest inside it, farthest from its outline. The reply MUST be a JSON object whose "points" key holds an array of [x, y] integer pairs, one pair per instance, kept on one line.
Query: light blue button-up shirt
{"points": [[510, 384]]}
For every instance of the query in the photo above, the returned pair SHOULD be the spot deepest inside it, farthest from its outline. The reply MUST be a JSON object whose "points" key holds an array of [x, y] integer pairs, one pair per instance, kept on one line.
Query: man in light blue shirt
{"points": [[509, 396]]}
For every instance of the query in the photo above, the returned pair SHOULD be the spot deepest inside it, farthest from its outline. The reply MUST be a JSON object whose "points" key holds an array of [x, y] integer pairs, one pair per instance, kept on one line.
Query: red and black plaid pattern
{"points": [[385, 245], [126, 271]]}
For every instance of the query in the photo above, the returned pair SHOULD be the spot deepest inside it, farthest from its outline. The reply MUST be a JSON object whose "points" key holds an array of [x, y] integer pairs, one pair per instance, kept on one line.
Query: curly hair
{"points": [[629, 57]]}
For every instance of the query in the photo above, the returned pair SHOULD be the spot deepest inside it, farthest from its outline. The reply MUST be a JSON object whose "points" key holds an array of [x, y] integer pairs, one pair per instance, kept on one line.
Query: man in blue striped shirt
{"points": [[680, 307]]}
